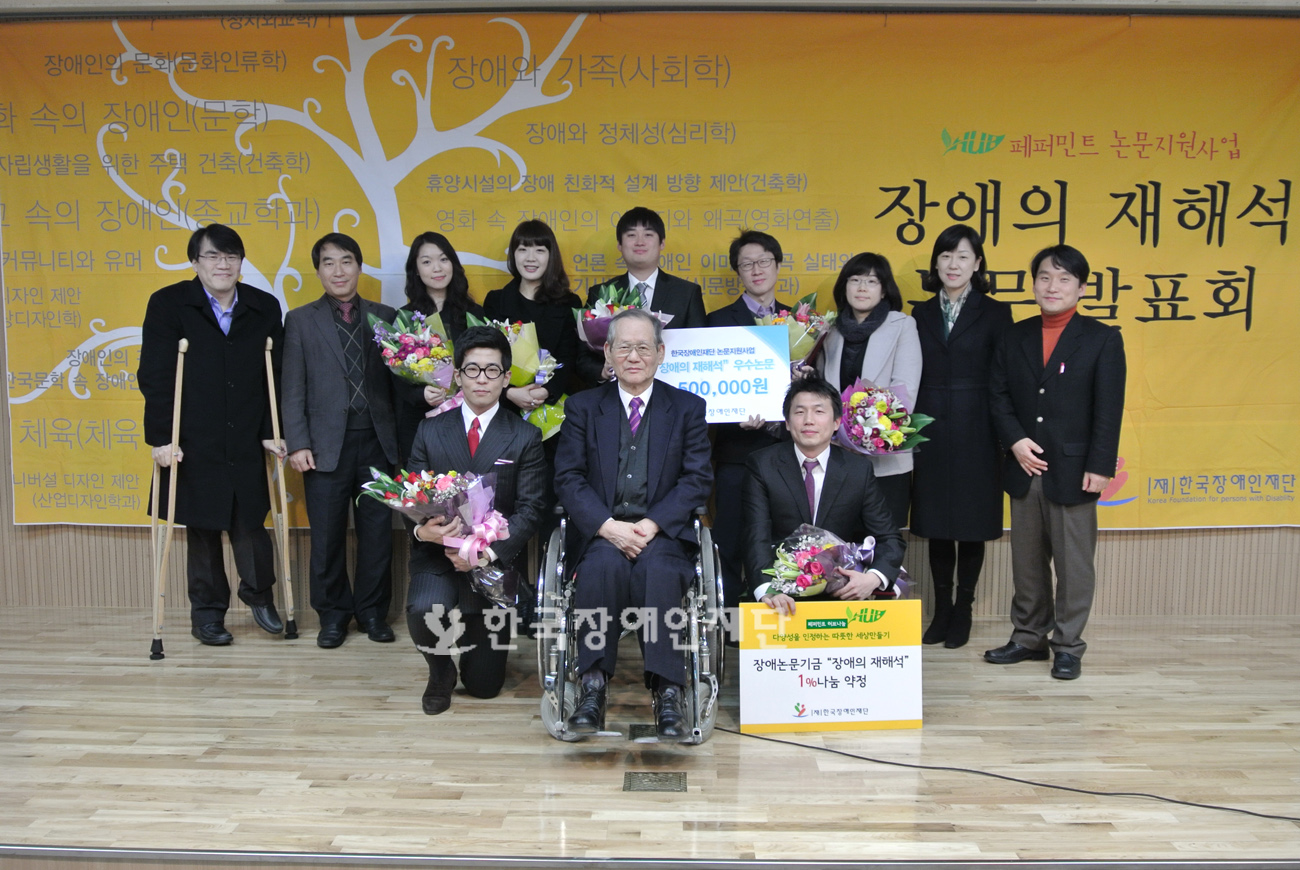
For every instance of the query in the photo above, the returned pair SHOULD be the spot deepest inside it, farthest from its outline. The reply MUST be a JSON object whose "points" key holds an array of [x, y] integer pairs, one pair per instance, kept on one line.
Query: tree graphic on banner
{"points": [[377, 175]]}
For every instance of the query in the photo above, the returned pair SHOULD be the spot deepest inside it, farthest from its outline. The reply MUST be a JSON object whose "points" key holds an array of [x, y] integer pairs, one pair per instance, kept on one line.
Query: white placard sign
{"points": [[739, 370], [833, 666]]}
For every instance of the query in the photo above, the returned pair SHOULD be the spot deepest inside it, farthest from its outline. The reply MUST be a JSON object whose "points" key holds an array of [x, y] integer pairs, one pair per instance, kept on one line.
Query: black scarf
{"points": [[856, 335]]}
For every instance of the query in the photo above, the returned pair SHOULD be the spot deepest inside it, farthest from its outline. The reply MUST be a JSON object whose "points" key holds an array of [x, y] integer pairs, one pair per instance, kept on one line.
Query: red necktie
{"points": [[345, 311], [473, 436]]}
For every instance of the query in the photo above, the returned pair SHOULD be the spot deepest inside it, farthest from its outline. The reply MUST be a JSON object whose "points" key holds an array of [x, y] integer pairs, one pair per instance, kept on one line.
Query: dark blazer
{"points": [[1072, 407], [316, 386], [957, 474], [586, 461], [511, 448], [557, 331], [683, 299], [732, 444], [775, 504], [225, 408], [409, 398]]}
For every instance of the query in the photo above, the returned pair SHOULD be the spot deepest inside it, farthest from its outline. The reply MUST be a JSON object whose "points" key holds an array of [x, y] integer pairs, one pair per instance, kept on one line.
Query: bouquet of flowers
{"points": [[548, 418], [484, 526], [415, 347], [806, 326], [593, 322], [530, 364], [421, 495], [806, 562], [876, 421]]}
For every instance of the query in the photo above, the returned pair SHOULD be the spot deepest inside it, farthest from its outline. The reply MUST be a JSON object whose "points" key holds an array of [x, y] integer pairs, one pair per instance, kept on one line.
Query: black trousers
{"points": [[443, 613], [609, 584], [209, 588], [330, 495], [729, 532]]}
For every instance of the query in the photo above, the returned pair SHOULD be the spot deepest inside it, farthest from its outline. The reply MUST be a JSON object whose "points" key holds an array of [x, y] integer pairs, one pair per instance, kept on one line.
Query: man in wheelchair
{"points": [[631, 467]]}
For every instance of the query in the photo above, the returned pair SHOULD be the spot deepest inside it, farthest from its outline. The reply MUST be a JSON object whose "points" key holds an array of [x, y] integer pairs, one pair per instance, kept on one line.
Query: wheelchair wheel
{"points": [[552, 603], [704, 667]]}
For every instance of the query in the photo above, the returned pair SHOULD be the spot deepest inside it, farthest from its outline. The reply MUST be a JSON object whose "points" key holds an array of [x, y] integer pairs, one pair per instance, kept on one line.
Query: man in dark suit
{"points": [[631, 468], [481, 438], [756, 258], [225, 424], [811, 481], [640, 236], [1057, 390], [338, 423]]}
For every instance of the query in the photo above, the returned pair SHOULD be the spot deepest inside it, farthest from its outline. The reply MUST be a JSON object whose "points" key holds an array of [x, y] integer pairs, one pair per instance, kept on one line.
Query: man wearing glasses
{"points": [[756, 257], [225, 425], [631, 467], [481, 438], [338, 424]]}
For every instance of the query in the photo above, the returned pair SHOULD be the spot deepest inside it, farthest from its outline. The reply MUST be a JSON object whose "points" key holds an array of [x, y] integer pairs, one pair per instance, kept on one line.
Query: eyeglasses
{"points": [[751, 265], [213, 259], [472, 371], [623, 351]]}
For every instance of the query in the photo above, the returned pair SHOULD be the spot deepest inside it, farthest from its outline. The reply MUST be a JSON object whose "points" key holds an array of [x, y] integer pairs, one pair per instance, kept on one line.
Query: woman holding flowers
{"points": [[874, 341], [957, 498], [539, 294], [435, 284]]}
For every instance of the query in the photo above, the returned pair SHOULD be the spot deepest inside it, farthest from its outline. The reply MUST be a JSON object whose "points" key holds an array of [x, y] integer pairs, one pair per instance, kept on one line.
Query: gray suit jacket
{"points": [[893, 357], [315, 386]]}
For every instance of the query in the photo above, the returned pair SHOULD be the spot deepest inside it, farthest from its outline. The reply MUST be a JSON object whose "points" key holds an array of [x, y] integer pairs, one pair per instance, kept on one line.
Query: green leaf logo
{"points": [[970, 142]]}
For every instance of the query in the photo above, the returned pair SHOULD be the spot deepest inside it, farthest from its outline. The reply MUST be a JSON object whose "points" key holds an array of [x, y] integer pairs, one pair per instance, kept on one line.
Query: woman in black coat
{"points": [[435, 284], [539, 294], [957, 482]]}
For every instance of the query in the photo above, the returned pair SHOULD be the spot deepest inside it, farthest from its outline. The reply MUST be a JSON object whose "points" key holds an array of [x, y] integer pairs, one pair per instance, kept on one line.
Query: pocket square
{"points": [[504, 462]]}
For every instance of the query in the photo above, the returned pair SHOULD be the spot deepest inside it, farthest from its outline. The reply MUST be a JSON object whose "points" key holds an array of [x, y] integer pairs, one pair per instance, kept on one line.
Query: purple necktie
{"points": [[345, 311], [634, 414], [809, 466]]}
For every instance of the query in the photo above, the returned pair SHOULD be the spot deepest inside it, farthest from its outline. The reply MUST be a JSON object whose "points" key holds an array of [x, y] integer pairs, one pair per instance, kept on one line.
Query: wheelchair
{"points": [[557, 637]]}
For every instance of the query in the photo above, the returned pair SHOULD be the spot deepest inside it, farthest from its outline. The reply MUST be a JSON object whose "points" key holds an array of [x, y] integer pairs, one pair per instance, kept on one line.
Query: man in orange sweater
{"points": [[1057, 390]]}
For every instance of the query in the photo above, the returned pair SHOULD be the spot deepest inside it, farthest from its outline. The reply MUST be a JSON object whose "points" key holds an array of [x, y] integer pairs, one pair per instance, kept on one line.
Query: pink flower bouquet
{"points": [[876, 421]]}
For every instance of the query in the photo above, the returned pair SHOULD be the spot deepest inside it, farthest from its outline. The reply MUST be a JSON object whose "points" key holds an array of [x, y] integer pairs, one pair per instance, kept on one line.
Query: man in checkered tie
{"points": [[338, 423], [631, 468]]}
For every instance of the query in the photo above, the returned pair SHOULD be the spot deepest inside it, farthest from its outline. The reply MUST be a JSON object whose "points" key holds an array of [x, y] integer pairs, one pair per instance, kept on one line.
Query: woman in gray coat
{"points": [[873, 340]]}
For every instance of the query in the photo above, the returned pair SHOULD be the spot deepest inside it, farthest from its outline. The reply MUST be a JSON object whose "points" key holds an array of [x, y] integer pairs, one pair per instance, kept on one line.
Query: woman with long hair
{"points": [[957, 482], [538, 293], [872, 339], [435, 284]]}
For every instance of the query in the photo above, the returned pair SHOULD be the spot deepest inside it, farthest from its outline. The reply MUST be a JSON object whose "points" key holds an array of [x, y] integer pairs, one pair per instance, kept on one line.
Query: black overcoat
{"points": [[225, 407], [957, 474]]}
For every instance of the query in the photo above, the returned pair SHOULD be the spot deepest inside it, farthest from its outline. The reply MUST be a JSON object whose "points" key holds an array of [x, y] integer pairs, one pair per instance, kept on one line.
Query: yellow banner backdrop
{"points": [[1164, 148]]}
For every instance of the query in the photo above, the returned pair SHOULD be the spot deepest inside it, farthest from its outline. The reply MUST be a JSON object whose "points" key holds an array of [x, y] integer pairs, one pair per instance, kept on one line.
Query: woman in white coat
{"points": [[874, 340]]}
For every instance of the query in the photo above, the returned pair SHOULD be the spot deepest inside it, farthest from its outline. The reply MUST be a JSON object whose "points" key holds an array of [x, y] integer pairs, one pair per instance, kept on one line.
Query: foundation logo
{"points": [[971, 142], [800, 711]]}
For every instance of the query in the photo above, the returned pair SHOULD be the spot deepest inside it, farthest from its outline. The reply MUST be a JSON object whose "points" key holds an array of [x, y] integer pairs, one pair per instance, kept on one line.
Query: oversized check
{"points": [[739, 370]]}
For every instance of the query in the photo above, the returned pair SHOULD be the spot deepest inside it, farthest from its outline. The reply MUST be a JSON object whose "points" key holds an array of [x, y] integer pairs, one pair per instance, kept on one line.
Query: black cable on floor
{"points": [[1029, 782]]}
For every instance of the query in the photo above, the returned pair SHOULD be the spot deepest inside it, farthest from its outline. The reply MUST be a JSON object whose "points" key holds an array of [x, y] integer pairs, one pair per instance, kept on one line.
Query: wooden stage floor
{"points": [[278, 746]]}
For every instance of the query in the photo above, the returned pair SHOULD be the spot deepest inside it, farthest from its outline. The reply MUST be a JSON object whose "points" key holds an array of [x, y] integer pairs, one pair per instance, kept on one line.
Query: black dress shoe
{"points": [[331, 636], [670, 717], [442, 680], [1014, 652], [212, 634], [1066, 666], [377, 630], [589, 716], [266, 618]]}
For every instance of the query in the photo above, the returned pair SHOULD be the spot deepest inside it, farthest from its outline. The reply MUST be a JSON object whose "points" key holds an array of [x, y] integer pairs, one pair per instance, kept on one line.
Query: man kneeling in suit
{"points": [[631, 468], [479, 437], [813, 482]]}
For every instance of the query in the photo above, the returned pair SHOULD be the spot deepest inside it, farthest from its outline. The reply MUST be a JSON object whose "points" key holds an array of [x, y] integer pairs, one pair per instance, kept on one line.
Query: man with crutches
{"points": [[222, 411]]}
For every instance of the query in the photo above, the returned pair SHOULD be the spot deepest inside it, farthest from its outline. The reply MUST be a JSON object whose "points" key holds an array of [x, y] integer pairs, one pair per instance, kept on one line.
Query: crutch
{"points": [[280, 506], [162, 547]]}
